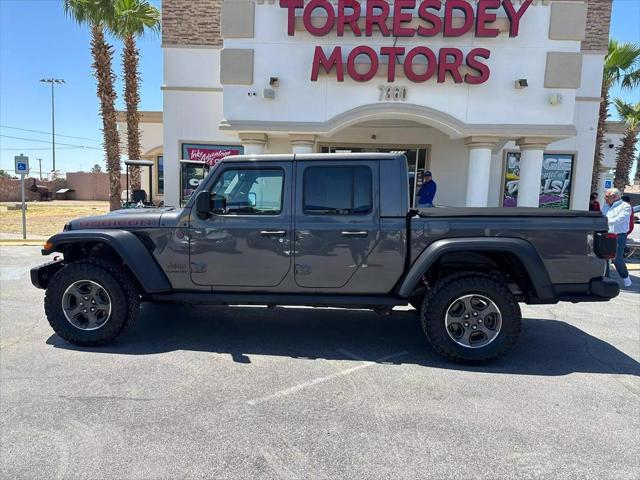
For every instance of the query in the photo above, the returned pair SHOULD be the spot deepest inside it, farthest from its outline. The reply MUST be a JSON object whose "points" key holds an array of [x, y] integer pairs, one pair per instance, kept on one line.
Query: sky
{"points": [[37, 40]]}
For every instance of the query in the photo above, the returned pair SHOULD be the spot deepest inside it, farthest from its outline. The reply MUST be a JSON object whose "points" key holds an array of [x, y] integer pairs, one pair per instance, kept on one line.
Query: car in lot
{"points": [[326, 230]]}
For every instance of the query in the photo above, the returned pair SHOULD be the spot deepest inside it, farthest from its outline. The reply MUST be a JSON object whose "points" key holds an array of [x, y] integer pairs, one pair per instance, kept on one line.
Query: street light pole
{"points": [[53, 81]]}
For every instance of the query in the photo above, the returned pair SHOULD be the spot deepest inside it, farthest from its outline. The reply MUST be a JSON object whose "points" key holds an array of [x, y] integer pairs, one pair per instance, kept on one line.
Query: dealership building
{"points": [[498, 98]]}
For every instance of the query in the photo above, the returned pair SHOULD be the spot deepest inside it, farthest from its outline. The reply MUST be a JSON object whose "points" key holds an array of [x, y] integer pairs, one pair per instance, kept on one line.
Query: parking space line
{"points": [[316, 381]]}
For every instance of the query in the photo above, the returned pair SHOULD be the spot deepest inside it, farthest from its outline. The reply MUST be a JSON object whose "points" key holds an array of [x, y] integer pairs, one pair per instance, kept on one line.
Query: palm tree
{"points": [[99, 15], [630, 115], [133, 17], [621, 67]]}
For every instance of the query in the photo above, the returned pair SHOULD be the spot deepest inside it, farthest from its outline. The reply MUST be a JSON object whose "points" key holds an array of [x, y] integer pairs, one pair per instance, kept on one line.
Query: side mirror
{"points": [[203, 204]]}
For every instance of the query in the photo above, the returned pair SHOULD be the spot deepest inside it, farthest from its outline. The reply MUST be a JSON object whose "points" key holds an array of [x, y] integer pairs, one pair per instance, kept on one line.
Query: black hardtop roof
{"points": [[289, 157]]}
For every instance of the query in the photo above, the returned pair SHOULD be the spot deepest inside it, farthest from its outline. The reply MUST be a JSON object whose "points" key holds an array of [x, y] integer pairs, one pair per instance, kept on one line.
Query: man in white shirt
{"points": [[618, 214]]}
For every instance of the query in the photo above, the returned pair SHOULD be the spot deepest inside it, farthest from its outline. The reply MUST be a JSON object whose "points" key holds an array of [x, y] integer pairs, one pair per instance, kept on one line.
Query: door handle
{"points": [[355, 234], [273, 233]]}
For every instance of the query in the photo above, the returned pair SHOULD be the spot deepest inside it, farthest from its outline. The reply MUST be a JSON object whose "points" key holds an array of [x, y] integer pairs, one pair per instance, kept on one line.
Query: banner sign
{"points": [[555, 182], [405, 18], [209, 154]]}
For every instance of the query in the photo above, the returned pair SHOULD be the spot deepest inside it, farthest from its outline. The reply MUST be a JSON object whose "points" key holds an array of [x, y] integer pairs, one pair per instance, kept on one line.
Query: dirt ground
{"points": [[46, 218]]}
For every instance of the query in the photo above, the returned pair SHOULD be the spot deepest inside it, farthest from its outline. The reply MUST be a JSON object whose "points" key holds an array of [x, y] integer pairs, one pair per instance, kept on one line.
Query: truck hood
{"points": [[122, 219]]}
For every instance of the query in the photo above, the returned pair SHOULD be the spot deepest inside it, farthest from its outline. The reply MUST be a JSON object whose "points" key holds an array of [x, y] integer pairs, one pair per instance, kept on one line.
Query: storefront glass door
{"points": [[417, 160]]}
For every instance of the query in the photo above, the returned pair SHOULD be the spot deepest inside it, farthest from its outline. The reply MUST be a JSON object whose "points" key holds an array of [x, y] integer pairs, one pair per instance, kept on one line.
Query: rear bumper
{"points": [[599, 289], [42, 274], [605, 288]]}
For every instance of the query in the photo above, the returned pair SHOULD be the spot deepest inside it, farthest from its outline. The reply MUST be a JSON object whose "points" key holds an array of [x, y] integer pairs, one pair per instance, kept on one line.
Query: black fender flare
{"points": [[130, 248], [523, 250]]}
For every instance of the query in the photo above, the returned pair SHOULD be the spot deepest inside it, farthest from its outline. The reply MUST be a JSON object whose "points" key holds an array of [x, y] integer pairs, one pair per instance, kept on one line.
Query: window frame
{"points": [[352, 167], [251, 168]]}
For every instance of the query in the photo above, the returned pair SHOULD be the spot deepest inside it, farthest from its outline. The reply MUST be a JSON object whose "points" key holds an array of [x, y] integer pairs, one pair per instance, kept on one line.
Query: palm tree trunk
{"points": [[598, 156], [626, 156], [130, 56], [102, 56]]}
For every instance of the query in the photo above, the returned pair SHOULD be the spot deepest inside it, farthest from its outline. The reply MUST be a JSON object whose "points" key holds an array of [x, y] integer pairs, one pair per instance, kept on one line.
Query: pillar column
{"points": [[302, 143], [479, 174], [253, 142], [531, 157]]}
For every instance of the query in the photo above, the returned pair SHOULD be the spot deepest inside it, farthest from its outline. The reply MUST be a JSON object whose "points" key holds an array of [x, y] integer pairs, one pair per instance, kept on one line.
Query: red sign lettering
{"points": [[458, 18]]}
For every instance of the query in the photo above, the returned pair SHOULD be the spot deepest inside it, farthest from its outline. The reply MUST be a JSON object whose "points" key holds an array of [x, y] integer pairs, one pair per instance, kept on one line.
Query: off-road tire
{"points": [[121, 288], [445, 292], [416, 302]]}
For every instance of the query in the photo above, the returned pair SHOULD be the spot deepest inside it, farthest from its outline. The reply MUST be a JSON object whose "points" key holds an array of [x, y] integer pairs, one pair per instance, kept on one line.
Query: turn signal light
{"points": [[48, 246]]}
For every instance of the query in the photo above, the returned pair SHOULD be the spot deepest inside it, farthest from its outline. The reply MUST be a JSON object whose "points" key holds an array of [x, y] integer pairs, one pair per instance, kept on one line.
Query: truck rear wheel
{"points": [[471, 318], [90, 303]]}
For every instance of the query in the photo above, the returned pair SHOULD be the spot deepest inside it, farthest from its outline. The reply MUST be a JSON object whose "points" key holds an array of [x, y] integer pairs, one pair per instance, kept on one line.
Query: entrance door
{"points": [[248, 244], [337, 221], [417, 160]]}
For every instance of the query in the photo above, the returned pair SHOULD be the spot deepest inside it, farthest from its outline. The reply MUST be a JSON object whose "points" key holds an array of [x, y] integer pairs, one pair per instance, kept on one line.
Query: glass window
{"points": [[337, 190], [192, 175], [555, 181], [160, 160], [251, 191]]}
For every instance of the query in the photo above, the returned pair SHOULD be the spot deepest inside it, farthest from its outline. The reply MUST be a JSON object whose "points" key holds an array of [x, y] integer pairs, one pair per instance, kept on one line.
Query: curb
{"points": [[22, 243]]}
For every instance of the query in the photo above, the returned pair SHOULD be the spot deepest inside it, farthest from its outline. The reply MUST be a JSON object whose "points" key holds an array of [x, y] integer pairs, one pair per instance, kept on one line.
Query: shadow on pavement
{"points": [[547, 347]]}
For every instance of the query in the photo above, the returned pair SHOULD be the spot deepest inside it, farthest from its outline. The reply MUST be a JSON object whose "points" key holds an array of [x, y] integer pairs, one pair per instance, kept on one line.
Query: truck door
{"points": [[248, 244], [336, 221]]}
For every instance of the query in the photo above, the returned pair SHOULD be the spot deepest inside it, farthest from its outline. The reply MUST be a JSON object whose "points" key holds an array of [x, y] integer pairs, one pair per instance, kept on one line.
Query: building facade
{"points": [[498, 98]]}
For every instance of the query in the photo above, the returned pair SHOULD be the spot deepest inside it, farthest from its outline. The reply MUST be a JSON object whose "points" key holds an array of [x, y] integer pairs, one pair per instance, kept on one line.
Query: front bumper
{"points": [[42, 274]]}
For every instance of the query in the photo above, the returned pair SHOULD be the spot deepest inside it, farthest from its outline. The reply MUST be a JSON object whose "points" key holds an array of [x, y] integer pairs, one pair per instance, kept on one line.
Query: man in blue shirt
{"points": [[427, 191]]}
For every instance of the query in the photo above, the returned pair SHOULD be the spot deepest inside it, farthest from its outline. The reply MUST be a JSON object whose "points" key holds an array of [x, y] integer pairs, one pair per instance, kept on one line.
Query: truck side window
{"points": [[337, 190], [251, 191]]}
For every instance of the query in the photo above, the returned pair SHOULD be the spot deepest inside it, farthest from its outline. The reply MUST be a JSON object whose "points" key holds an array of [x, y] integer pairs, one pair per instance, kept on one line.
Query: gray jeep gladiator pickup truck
{"points": [[326, 230]]}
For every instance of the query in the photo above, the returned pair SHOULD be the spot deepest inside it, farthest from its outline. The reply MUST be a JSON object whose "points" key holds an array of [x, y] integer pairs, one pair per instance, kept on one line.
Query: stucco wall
{"points": [[495, 102], [90, 186]]}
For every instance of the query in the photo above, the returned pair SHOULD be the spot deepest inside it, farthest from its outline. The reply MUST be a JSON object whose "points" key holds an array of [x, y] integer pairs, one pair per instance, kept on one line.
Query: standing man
{"points": [[427, 191], [618, 215]]}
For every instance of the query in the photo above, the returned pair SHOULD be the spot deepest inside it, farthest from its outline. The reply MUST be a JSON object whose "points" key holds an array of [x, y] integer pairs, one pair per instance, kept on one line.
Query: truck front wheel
{"points": [[471, 318], [91, 302]]}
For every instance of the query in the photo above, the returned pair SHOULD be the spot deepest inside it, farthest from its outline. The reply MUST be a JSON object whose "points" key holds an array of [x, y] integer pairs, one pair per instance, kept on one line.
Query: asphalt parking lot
{"points": [[314, 393]]}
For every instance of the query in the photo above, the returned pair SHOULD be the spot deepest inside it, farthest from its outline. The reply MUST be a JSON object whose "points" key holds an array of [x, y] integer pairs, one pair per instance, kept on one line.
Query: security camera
{"points": [[521, 83]]}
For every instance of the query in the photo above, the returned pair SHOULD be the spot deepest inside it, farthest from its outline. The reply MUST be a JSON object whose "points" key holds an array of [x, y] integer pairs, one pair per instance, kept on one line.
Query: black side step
{"points": [[235, 298]]}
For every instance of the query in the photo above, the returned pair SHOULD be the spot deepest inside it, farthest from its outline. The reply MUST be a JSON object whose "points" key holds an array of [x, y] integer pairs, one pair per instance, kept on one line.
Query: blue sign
{"points": [[608, 183], [22, 164]]}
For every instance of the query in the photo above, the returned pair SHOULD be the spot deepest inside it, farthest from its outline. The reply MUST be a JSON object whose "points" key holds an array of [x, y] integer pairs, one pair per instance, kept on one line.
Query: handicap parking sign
{"points": [[22, 164], [608, 183]]}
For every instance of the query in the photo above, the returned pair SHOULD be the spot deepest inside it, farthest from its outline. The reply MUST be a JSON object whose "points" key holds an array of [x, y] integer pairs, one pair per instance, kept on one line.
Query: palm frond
{"points": [[629, 113], [135, 17], [90, 12], [622, 64]]}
